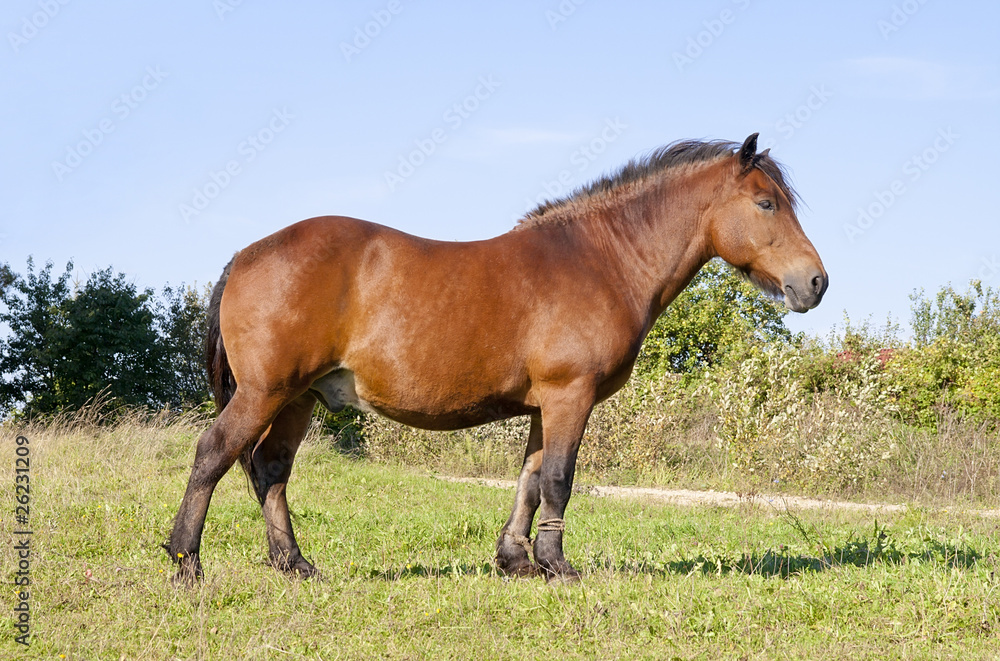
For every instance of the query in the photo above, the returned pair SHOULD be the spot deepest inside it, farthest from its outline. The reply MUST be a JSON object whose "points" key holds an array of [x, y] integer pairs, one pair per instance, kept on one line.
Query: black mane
{"points": [[682, 152]]}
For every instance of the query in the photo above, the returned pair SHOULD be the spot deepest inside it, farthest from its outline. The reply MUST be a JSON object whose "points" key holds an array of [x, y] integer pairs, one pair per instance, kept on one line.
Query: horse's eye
{"points": [[765, 205]]}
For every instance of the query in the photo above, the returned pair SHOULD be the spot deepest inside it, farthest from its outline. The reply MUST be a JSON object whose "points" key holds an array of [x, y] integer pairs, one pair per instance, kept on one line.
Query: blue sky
{"points": [[160, 139]]}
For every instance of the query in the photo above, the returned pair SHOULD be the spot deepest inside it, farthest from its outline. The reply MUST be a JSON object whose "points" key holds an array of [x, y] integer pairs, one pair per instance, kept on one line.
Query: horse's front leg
{"points": [[513, 545], [564, 418]]}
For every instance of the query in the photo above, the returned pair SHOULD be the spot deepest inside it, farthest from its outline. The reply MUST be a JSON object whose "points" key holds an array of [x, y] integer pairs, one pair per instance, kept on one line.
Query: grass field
{"points": [[407, 570]]}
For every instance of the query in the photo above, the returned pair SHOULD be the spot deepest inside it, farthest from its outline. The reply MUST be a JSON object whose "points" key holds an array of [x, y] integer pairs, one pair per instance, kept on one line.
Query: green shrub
{"points": [[772, 423], [493, 449], [953, 364], [718, 312]]}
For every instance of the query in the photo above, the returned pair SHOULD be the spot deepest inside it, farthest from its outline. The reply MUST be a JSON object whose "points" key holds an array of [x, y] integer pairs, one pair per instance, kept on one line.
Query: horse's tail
{"points": [[221, 378]]}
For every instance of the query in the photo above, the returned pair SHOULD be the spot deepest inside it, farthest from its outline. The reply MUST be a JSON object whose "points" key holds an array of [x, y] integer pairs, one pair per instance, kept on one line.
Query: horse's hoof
{"points": [[182, 580], [565, 578], [523, 569], [188, 569], [561, 573], [514, 562], [297, 568], [187, 578], [305, 570]]}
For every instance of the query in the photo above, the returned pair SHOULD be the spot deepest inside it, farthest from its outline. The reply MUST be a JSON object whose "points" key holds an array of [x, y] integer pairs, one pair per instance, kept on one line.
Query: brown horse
{"points": [[543, 321]]}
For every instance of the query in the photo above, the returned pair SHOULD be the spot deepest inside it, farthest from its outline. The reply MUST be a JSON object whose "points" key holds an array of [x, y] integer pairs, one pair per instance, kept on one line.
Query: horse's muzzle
{"points": [[804, 293]]}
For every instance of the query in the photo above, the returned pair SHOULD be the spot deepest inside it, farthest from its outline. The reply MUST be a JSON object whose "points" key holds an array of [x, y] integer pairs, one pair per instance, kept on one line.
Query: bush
{"points": [[952, 365], [647, 427], [493, 449], [347, 429], [773, 424], [718, 312]]}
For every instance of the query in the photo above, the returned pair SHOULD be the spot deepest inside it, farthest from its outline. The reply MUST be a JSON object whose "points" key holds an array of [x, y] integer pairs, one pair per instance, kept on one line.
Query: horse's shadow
{"points": [[781, 564], [769, 563]]}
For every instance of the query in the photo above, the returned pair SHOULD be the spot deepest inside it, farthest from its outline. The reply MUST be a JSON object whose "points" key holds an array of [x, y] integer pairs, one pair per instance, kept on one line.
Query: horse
{"points": [[544, 321]]}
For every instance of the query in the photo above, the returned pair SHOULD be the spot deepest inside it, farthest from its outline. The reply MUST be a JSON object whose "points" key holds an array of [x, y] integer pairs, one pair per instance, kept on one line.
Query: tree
{"points": [[107, 342], [183, 327], [65, 347], [718, 311], [954, 316], [954, 360], [34, 306]]}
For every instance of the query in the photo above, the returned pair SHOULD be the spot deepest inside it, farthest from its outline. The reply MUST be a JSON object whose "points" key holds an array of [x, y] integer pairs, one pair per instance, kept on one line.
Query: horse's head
{"points": [[752, 225]]}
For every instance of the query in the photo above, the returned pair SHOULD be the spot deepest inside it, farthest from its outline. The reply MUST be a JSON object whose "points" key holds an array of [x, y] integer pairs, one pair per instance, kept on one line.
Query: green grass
{"points": [[407, 570]]}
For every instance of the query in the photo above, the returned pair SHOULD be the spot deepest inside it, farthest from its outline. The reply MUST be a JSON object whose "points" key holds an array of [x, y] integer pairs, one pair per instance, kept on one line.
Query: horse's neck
{"points": [[656, 239]]}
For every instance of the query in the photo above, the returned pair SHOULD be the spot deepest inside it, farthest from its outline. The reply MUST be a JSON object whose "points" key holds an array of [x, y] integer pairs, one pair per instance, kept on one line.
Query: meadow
{"points": [[407, 571]]}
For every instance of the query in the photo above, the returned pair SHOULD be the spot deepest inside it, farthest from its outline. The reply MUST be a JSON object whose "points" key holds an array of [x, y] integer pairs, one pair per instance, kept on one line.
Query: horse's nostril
{"points": [[817, 283]]}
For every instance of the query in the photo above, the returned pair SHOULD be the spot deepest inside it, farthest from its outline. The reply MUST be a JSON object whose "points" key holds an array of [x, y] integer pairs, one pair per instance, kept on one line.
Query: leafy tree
{"points": [[65, 347], [183, 327], [7, 277], [34, 306], [718, 311], [955, 316], [107, 341]]}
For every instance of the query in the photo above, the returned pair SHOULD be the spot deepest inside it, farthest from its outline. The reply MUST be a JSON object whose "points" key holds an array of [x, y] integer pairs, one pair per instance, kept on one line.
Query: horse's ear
{"points": [[748, 151]]}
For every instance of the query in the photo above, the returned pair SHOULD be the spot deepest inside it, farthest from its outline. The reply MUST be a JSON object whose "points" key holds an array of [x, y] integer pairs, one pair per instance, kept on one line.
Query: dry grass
{"points": [[958, 463]]}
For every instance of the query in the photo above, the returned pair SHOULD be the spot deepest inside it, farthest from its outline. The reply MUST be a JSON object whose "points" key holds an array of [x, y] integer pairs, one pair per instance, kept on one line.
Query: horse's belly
{"points": [[341, 388]]}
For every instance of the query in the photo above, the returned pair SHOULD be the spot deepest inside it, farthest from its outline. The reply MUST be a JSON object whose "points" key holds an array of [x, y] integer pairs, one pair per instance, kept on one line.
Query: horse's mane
{"points": [[644, 169]]}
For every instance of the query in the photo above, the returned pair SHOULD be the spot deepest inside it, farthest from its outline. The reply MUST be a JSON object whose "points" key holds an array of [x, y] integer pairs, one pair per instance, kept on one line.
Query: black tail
{"points": [[220, 376]]}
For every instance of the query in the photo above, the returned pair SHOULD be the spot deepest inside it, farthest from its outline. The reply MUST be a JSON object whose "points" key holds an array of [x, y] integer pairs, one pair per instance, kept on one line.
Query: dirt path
{"points": [[687, 497]]}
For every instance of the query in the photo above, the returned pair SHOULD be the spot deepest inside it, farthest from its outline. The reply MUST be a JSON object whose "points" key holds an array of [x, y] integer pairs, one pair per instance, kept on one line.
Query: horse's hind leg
{"points": [[513, 544], [239, 425], [272, 464]]}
